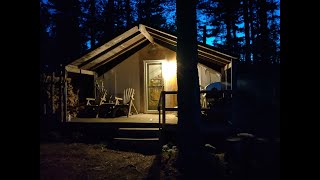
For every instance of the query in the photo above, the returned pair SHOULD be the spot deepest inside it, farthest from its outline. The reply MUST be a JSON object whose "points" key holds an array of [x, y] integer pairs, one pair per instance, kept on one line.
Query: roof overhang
{"points": [[126, 44]]}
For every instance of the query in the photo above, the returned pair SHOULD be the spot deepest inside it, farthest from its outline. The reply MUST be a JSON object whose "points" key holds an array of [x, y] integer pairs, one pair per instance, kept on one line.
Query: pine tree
{"points": [[67, 32], [246, 30], [188, 86], [128, 10], [150, 13]]}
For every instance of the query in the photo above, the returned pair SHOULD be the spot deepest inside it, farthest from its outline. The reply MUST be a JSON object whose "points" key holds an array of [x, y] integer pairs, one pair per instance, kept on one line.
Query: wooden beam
{"points": [[162, 38], [166, 45], [210, 59], [209, 63], [75, 69], [152, 29], [114, 52], [227, 66], [174, 38], [118, 54], [105, 46], [220, 53], [200, 52], [212, 56], [110, 50], [143, 31]]}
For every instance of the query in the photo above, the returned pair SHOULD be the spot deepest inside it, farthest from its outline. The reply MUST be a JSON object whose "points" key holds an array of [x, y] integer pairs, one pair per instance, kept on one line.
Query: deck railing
{"points": [[162, 105]]}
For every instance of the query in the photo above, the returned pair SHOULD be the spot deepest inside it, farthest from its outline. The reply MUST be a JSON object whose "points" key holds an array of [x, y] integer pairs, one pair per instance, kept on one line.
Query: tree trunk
{"points": [[274, 36], [204, 37], [253, 31], [147, 12], [188, 85], [92, 30], [139, 4], [264, 39], [109, 23], [234, 38], [228, 22], [228, 36], [67, 30], [246, 30], [128, 14]]}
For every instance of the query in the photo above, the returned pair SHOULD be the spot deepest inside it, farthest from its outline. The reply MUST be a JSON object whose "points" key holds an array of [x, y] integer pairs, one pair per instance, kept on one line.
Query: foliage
{"points": [[50, 85], [250, 29]]}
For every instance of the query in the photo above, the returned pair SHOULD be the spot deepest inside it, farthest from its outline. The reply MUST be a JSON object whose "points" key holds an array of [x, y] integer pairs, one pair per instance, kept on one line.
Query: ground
{"points": [[77, 157], [97, 161]]}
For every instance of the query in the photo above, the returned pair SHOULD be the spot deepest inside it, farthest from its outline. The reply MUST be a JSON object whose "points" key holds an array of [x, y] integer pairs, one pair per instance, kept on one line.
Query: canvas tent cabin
{"points": [[144, 58]]}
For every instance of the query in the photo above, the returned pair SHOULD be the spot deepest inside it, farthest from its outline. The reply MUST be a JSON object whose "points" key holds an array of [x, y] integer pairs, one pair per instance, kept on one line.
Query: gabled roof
{"points": [[121, 47]]}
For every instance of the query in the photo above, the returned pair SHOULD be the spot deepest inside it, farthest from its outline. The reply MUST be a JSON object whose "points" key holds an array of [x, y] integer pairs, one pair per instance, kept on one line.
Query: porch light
{"points": [[169, 70]]}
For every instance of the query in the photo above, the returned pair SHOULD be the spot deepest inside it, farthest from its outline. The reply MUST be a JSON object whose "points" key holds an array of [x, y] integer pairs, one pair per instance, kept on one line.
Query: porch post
{"points": [[223, 75], [226, 78], [94, 85], [234, 75], [52, 91], [163, 108], [65, 95], [231, 74], [61, 93]]}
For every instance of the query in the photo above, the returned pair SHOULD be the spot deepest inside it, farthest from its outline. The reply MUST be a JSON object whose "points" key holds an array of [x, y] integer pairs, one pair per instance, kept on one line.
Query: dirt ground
{"points": [[108, 160], [96, 161]]}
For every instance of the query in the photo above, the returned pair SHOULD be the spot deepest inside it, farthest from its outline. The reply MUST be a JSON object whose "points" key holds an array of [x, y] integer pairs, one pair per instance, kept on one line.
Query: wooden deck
{"points": [[146, 121], [136, 118]]}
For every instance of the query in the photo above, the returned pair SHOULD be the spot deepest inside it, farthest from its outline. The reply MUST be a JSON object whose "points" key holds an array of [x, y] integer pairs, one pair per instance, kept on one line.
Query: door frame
{"points": [[145, 63]]}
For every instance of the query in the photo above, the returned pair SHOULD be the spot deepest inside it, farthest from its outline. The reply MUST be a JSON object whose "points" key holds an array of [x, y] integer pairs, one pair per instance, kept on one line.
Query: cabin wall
{"points": [[168, 57], [130, 73], [124, 75]]}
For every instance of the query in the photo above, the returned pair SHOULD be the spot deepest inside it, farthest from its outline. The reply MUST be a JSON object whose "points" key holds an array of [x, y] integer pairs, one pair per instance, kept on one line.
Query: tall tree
{"points": [[263, 38], [246, 30], [169, 12], [254, 25], [235, 8], [231, 18], [147, 12], [44, 36], [228, 23], [108, 21], [150, 12], [67, 33], [121, 16], [92, 22], [128, 14], [274, 31], [188, 86]]}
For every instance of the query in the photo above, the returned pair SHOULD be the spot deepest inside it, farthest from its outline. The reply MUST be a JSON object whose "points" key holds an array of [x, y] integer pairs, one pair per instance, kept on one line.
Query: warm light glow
{"points": [[169, 69]]}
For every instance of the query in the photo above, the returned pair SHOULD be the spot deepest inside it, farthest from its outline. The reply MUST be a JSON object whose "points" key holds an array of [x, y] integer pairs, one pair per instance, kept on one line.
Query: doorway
{"points": [[154, 84]]}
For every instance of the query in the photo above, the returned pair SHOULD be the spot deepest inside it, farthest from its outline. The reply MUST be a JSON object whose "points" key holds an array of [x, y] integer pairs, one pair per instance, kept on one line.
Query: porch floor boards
{"points": [[135, 118]]}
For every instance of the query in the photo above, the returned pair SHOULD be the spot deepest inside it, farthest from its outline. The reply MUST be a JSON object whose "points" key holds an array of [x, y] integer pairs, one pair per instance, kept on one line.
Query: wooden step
{"points": [[139, 129], [137, 139]]}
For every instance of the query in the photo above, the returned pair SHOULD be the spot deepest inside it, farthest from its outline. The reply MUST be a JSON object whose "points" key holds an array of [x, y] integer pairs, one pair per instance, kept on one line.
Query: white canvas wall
{"points": [[129, 72], [207, 75]]}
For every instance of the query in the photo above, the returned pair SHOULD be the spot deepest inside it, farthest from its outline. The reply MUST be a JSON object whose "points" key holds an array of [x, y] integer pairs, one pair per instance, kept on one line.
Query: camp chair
{"points": [[93, 105], [97, 102], [127, 99], [203, 100]]}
